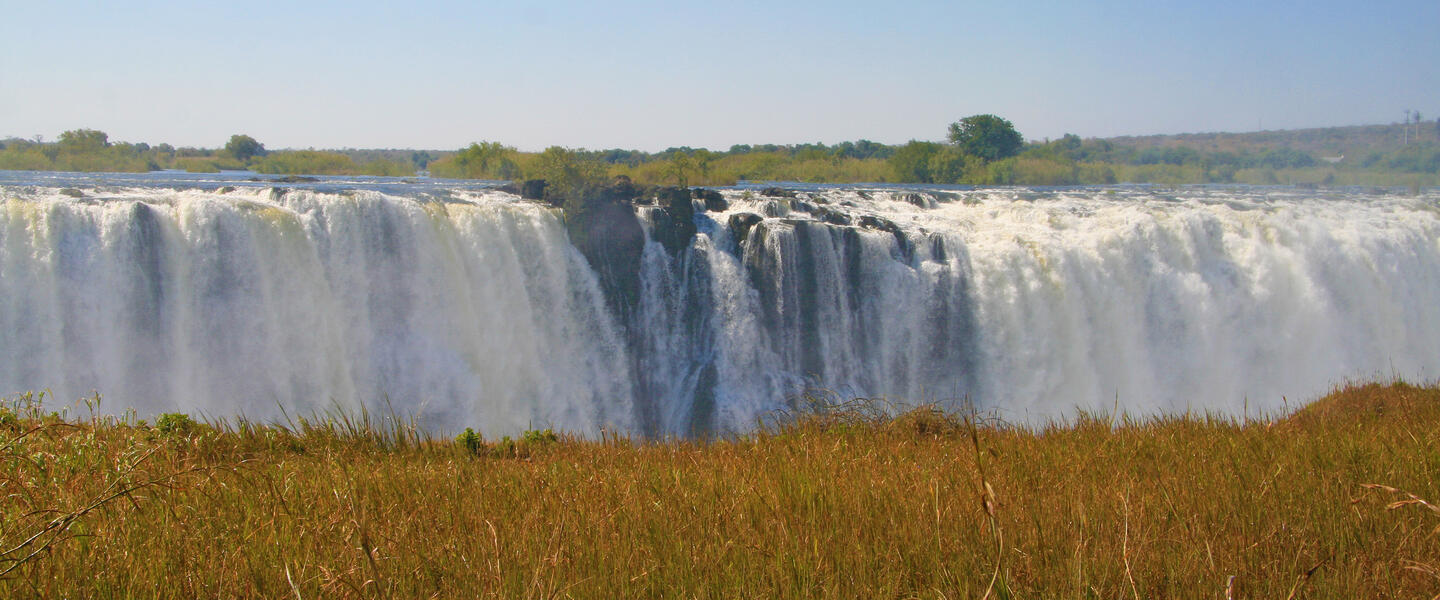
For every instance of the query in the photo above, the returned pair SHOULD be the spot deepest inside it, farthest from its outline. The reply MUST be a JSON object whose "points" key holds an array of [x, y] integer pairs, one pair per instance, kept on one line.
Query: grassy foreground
{"points": [[835, 504]]}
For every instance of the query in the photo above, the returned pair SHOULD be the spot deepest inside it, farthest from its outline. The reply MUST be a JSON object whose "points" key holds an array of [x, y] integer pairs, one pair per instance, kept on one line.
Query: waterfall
{"points": [[252, 302], [465, 306]]}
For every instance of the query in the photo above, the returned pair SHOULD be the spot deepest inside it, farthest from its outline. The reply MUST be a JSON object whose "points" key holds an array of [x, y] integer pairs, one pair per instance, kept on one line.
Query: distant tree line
{"points": [[977, 150], [81, 150], [861, 160], [91, 150]]}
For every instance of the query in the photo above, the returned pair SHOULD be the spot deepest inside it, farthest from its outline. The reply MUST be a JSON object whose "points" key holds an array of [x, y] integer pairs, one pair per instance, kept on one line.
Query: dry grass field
{"points": [[842, 502]]}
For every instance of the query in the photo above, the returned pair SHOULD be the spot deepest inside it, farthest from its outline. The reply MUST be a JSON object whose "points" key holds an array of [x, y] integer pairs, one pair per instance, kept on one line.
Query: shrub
{"points": [[175, 424], [8, 419], [537, 437], [306, 162], [471, 441]]}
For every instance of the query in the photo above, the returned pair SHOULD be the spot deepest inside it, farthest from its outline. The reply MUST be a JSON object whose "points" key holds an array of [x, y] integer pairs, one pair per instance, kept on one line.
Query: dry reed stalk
{"points": [[1409, 500], [1125, 545], [987, 503]]}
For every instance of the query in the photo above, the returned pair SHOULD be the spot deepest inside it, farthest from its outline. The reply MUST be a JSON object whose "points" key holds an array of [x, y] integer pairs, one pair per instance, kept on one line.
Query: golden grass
{"points": [[837, 504]]}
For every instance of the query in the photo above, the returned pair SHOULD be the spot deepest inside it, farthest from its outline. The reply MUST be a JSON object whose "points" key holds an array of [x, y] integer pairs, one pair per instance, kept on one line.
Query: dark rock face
{"points": [[714, 201], [815, 270], [873, 222], [146, 302], [918, 200], [883, 224], [833, 217], [533, 189], [740, 224], [603, 226], [937, 248], [623, 189], [702, 410], [675, 221], [945, 196], [828, 262]]}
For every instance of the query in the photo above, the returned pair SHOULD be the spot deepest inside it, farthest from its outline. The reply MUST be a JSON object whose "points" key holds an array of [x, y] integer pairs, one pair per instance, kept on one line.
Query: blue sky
{"points": [[649, 75]]}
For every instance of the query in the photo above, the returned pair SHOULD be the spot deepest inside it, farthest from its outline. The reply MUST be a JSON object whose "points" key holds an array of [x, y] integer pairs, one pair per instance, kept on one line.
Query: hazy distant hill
{"points": [[1353, 141]]}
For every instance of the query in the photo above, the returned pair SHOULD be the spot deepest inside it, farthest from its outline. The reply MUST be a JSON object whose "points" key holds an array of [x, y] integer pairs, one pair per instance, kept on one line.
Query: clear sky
{"points": [[649, 75]]}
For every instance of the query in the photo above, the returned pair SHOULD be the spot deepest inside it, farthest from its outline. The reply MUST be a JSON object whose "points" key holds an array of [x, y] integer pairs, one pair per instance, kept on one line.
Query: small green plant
{"points": [[509, 447], [536, 437], [178, 424], [8, 418], [471, 441], [505, 449]]}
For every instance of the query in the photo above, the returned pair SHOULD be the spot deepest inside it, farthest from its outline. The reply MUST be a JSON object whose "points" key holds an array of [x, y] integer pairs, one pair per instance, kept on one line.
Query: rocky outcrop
{"points": [[602, 224], [945, 196], [622, 189], [533, 189], [919, 200], [775, 192], [740, 224], [831, 216], [937, 248], [907, 250], [714, 201], [674, 221]]}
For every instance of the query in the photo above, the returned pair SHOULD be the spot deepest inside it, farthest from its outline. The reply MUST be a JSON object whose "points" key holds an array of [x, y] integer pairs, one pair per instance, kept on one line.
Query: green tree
{"points": [[482, 160], [81, 141], [986, 136], [911, 163], [679, 168], [1069, 145], [688, 166], [244, 147], [947, 165], [567, 172]]}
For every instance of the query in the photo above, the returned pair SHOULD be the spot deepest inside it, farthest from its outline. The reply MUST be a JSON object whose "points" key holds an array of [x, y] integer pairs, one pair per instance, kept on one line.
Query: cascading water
{"points": [[471, 307], [467, 312]]}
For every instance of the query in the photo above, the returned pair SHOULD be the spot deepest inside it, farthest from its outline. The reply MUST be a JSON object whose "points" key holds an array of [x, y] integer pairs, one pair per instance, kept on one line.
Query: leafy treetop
{"points": [[84, 140], [244, 147], [986, 136]]}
